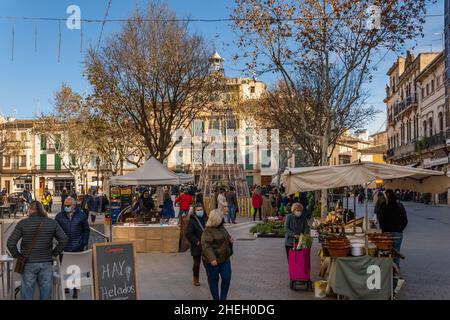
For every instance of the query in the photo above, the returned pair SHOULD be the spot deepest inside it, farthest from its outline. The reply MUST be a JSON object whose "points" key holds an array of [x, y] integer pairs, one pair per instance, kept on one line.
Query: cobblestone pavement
{"points": [[260, 268]]}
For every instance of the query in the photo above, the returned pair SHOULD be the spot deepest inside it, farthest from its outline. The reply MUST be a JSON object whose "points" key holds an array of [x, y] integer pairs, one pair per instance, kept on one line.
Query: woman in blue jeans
{"points": [[217, 248], [37, 233], [392, 218]]}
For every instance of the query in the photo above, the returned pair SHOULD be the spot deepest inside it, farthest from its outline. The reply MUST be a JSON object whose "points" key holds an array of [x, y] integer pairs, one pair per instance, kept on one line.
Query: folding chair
{"points": [[71, 261]]}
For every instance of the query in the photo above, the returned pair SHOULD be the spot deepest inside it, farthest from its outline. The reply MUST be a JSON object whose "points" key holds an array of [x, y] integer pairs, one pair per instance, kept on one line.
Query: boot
{"points": [[196, 281]]}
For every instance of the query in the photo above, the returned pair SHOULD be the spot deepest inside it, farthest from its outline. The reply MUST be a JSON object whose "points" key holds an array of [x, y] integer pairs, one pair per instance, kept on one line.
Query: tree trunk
{"points": [[324, 192]]}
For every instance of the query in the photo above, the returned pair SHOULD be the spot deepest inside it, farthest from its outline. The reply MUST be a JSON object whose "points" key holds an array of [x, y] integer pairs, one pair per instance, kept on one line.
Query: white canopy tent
{"points": [[152, 173]]}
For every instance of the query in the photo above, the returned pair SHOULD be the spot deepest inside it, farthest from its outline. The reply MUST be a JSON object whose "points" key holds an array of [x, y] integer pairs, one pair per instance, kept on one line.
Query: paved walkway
{"points": [[260, 269]]}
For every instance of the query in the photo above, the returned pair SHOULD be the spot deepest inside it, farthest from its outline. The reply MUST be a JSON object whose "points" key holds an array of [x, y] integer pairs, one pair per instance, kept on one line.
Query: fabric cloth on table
{"points": [[364, 278]]}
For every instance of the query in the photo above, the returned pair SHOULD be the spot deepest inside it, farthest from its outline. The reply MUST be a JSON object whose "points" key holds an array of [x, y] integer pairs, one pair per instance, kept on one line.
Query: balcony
{"points": [[434, 142], [50, 168], [404, 104], [402, 151]]}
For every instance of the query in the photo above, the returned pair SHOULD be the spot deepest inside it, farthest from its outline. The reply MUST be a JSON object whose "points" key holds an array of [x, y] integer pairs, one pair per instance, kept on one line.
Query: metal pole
{"points": [[366, 217]]}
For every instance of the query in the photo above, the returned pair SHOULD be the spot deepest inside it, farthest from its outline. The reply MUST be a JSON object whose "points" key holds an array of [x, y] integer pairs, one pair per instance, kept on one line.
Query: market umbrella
{"points": [[363, 173]]}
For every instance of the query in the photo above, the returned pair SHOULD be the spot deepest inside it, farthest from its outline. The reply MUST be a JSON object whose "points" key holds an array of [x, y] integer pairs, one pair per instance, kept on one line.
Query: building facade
{"points": [[417, 114], [192, 155]]}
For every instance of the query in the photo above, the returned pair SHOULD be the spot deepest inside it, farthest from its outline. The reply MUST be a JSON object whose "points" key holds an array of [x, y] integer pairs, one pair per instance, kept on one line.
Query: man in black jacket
{"points": [[37, 233], [74, 223]]}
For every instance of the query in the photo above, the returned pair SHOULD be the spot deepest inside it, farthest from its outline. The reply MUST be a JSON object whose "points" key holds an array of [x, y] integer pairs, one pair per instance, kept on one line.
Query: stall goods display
{"points": [[304, 242], [337, 246], [269, 229], [383, 241]]}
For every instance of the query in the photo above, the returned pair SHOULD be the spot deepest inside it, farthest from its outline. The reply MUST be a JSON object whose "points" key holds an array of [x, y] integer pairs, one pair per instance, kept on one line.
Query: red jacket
{"points": [[185, 201], [257, 201]]}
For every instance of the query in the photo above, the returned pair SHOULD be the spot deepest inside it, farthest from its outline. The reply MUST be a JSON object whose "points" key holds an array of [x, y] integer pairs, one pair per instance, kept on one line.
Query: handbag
{"points": [[21, 260], [184, 242]]}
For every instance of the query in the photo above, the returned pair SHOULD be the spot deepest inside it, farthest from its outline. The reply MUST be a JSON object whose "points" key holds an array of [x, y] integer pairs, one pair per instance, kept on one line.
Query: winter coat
{"points": [[194, 234], [295, 226], [199, 198], [392, 217], [257, 201], [222, 204], [185, 201], [76, 229], [216, 244], [167, 210], [143, 205], [231, 198]]}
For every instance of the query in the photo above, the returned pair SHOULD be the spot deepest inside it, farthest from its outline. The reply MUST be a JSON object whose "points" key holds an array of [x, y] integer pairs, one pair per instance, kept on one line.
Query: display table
{"points": [[361, 277], [149, 238]]}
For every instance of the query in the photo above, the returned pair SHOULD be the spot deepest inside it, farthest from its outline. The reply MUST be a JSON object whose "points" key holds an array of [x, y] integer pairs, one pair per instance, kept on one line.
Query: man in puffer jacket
{"points": [[76, 227]]}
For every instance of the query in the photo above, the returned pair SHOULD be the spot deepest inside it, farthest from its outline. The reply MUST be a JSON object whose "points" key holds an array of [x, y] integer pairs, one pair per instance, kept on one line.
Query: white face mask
{"points": [[297, 213]]}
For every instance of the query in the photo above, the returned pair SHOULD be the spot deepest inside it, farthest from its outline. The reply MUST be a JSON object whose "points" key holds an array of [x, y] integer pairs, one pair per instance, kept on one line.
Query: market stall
{"points": [[149, 233], [352, 252]]}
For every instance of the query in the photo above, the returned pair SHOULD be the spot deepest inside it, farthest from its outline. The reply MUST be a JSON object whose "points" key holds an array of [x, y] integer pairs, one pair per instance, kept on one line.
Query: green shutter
{"points": [[43, 162], [298, 158], [43, 143], [249, 180], [248, 165], [267, 163], [57, 162]]}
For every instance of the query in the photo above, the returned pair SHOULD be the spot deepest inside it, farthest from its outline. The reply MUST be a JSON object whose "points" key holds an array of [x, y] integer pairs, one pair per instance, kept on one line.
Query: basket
{"points": [[338, 251], [385, 245]]}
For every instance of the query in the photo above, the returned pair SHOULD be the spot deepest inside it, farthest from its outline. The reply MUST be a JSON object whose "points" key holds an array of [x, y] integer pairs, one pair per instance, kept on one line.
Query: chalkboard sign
{"points": [[115, 271]]}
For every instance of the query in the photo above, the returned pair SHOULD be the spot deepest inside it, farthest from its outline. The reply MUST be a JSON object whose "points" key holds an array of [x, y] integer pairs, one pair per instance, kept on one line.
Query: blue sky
{"points": [[29, 80]]}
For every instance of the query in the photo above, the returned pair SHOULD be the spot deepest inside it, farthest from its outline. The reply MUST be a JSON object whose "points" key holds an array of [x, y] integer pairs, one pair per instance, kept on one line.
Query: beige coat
{"points": [[222, 204]]}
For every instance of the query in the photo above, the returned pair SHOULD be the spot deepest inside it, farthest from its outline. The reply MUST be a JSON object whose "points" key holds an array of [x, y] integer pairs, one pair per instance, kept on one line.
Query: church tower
{"points": [[217, 64]]}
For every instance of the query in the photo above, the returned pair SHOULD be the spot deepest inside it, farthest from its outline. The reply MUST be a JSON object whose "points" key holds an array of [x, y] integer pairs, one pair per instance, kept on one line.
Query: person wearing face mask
{"points": [[74, 223], [217, 249], [295, 224], [194, 231], [196, 226]]}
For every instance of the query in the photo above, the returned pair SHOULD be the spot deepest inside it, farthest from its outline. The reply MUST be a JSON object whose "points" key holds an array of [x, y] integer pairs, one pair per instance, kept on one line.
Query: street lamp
{"points": [[97, 162]]}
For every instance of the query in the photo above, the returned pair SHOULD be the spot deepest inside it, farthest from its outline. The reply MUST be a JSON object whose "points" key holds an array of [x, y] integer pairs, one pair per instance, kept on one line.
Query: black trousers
{"points": [[254, 214], [196, 267]]}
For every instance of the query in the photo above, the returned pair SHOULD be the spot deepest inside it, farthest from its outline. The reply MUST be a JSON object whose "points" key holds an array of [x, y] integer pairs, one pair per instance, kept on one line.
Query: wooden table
{"points": [[150, 237]]}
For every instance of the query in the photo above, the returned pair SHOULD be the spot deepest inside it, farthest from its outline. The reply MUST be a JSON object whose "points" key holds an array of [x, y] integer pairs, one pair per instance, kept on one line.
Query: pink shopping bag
{"points": [[300, 264]]}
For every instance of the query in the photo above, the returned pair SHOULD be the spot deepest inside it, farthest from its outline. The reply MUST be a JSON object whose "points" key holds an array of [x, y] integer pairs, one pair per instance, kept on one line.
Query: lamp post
{"points": [[97, 162]]}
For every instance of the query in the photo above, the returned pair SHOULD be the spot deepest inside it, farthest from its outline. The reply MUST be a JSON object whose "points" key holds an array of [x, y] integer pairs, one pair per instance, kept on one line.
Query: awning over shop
{"points": [[152, 173], [360, 173]]}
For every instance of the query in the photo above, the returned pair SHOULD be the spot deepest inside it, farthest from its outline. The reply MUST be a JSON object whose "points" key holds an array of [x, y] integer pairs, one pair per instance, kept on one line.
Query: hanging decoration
{"points": [[59, 41], [12, 45]]}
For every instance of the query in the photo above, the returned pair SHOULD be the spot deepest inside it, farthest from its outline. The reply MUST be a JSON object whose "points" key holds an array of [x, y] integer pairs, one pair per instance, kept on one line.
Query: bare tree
{"points": [[324, 49], [156, 74]]}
